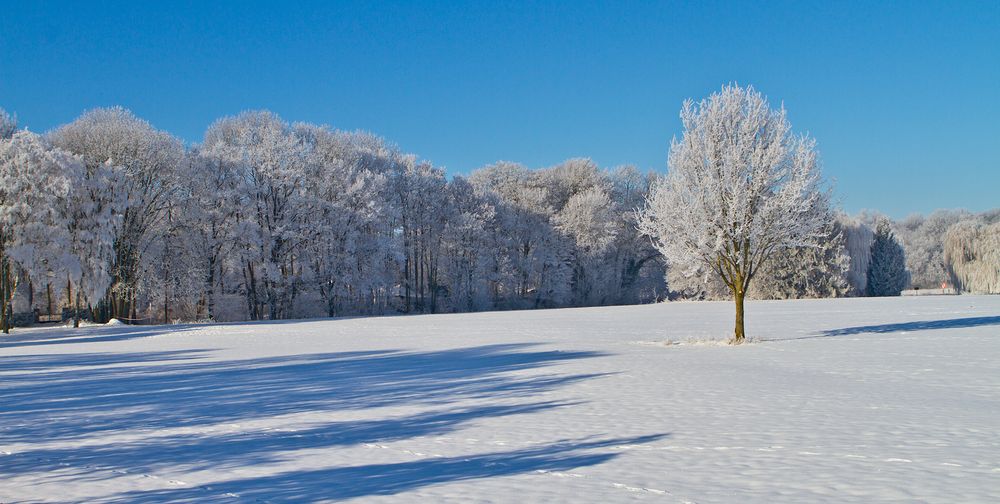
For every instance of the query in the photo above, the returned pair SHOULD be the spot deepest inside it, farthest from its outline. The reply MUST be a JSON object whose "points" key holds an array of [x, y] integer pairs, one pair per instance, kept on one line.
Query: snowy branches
{"points": [[267, 219], [35, 193], [139, 166], [740, 187], [972, 253], [8, 124]]}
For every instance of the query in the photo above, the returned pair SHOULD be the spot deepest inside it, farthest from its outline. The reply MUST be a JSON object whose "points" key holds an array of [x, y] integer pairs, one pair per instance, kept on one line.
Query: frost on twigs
{"points": [[740, 187], [8, 124], [972, 253]]}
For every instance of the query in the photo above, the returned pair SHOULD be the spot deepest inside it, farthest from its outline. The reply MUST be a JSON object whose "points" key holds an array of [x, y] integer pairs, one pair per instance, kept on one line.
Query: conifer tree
{"points": [[887, 274]]}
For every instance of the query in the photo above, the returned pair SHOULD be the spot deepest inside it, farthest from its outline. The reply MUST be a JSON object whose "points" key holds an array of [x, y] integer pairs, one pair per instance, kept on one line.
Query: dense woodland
{"points": [[109, 217]]}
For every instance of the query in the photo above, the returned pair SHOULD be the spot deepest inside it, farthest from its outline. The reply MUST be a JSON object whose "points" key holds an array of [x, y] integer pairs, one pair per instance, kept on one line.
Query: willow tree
{"points": [[740, 187], [972, 255]]}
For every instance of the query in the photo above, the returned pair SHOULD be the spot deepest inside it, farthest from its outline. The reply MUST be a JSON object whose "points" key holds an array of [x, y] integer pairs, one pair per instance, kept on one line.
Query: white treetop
{"points": [[740, 186]]}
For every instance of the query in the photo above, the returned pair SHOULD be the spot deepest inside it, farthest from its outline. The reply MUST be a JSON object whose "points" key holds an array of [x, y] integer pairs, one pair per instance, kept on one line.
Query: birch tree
{"points": [[740, 187]]}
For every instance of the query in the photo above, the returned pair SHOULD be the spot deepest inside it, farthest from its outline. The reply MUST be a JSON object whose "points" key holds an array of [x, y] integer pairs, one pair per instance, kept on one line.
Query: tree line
{"points": [[108, 217], [265, 219]]}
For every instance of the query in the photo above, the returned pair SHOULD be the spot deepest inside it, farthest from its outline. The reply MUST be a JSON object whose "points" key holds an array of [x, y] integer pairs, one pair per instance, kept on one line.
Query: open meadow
{"points": [[838, 400]]}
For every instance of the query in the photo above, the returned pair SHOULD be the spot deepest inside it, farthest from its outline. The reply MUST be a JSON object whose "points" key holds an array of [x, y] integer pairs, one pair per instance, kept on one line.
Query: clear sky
{"points": [[903, 98]]}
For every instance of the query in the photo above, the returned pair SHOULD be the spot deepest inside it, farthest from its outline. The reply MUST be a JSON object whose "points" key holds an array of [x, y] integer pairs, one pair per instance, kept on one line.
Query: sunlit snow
{"points": [[839, 400]]}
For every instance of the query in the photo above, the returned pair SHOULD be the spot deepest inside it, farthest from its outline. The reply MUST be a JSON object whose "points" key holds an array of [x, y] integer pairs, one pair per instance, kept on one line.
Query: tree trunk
{"points": [[4, 293], [10, 288], [738, 335], [76, 310]]}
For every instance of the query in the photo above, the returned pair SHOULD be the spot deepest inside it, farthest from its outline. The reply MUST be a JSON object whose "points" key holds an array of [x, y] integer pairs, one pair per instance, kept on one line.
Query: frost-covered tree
{"points": [[370, 255], [271, 220], [579, 196], [740, 187], [91, 226], [418, 188], [466, 239], [588, 218], [143, 163], [923, 240], [269, 162], [819, 271], [35, 187], [972, 255], [858, 238], [211, 204], [887, 271], [8, 124], [171, 286], [533, 264], [638, 271]]}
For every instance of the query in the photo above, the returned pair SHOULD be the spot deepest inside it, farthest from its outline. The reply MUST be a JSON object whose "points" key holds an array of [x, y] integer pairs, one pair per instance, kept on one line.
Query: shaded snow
{"points": [[849, 400]]}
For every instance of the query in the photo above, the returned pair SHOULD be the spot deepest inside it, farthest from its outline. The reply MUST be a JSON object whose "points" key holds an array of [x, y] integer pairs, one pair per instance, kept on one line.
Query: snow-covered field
{"points": [[847, 400]]}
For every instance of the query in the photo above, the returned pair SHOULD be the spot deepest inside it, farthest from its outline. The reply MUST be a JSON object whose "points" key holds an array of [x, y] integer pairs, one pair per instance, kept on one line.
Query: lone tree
{"points": [[740, 186], [887, 271]]}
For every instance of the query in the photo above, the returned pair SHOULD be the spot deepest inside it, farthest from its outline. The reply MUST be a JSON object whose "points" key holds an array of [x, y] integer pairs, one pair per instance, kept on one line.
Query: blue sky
{"points": [[903, 98]]}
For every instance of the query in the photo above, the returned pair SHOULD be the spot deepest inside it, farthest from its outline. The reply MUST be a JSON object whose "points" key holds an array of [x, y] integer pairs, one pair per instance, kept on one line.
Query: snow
{"points": [[843, 400]]}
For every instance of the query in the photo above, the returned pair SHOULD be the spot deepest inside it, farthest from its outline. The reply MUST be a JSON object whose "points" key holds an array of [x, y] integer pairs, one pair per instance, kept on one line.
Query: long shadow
{"points": [[51, 404], [923, 325], [39, 362], [170, 406], [228, 450], [93, 334], [340, 483], [98, 333]]}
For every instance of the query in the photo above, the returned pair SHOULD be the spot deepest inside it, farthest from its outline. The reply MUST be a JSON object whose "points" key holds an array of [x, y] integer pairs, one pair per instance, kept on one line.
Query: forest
{"points": [[108, 217]]}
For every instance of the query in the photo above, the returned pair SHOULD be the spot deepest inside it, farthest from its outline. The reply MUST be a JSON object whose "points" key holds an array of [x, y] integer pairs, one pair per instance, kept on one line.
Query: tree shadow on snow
{"points": [[91, 334], [340, 483], [922, 325], [182, 408]]}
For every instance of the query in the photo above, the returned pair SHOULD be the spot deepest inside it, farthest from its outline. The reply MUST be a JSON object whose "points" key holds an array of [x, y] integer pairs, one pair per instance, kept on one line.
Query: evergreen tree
{"points": [[887, 274]]}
